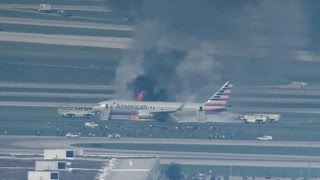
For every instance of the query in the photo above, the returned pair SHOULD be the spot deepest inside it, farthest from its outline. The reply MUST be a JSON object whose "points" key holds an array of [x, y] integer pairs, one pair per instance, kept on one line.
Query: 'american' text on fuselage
{"points": [[135, 107]]}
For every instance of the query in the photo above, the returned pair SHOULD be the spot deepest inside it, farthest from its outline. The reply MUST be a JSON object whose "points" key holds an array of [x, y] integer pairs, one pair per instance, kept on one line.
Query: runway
{"points": [[56, 95], [51, 141], [68, 24], [243, 100], [275, 100], [25, 101], [45, 104], [65, 7], [32, 144], [89, 105], [257, 90], [57, 86], [69, 40], [277, 110]]}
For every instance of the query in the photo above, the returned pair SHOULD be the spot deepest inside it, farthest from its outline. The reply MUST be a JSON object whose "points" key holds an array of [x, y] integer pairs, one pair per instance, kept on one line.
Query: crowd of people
{"points": [[159, 130]]}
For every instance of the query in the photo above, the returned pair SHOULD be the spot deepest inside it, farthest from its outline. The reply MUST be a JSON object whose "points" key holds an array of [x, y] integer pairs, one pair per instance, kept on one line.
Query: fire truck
{"points": [[76, 112], [260, 118]]}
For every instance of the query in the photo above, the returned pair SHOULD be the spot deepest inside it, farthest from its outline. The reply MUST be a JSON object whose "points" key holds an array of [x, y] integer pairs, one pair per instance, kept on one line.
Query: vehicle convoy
{"points": [[76, 112], [260, 118]]}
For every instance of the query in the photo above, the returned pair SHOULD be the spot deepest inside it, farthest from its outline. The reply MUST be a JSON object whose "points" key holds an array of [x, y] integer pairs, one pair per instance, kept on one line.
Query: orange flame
{"points": [[140, 96], [135, 117]]}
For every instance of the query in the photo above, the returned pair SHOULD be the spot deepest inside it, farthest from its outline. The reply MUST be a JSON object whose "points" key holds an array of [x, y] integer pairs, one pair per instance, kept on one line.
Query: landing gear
{"points": [[70, 116], [89, 116]]}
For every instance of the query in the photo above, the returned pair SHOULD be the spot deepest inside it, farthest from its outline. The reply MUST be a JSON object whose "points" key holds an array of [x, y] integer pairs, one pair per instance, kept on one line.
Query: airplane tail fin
{"points": [[220, 98]]}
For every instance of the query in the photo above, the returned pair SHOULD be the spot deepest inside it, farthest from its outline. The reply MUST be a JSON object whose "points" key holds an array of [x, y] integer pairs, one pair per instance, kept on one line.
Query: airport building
{"points": [[49, 169], [61, 154], [43, 175], [51, 166], [134, 169]]}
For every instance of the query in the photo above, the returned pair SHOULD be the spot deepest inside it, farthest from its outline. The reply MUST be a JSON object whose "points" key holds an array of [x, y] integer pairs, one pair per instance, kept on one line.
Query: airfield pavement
{"points": [[261, 101], [44, 104], [62, 85], [67, 24], [87, 41], [29, 145], [57, 86], [57, 6]]}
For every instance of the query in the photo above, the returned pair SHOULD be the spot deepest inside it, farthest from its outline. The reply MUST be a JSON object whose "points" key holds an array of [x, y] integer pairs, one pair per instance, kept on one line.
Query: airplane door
{"points": [[201, 116]]}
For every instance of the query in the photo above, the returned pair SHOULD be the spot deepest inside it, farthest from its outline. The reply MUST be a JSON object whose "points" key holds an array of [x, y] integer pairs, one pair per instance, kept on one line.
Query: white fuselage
{"points": [[122, 107], [146, 110]]}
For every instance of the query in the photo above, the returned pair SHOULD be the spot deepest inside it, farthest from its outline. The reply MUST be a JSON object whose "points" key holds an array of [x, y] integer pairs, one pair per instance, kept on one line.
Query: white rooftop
{"points": [[133, 169]]}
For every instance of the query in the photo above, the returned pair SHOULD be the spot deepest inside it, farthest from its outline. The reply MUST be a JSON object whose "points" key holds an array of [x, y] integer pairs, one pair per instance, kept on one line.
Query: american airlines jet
{"points": [[160, 110]]}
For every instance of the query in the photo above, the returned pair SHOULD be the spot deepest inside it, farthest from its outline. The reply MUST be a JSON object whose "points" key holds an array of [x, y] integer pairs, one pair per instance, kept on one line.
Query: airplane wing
{"points": [[181, 107], [169, 111]]}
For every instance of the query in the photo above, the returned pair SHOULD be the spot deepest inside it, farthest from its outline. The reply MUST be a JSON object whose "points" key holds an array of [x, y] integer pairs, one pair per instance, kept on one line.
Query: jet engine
{"points": [[144, 114]]}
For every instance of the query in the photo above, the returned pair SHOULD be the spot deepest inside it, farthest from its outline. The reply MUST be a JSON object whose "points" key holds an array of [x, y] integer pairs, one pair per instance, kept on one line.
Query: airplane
{"points": [[159, 110]]}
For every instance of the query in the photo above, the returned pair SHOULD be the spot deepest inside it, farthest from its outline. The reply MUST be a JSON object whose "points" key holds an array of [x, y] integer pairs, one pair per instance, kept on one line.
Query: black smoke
{"points": [[189, 47], [160, 69], [148, 86]]}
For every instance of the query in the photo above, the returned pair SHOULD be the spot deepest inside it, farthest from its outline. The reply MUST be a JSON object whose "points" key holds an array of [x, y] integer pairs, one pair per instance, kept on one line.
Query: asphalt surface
{"points": [[68, 24], [65, 7], [277, 110], [242, 98], [69, 40], [29, 144], [57, 86], [44, 104], [37, 142], [87, 95], [51, 94]]}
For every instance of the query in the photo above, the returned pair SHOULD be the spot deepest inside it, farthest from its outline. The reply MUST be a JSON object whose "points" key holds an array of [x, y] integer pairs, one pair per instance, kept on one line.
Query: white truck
{"points": [[260, 118], [76, 112], [272, 118], [264, 138], [90, 124], [46, 8], [64, 13], [72, 135]]}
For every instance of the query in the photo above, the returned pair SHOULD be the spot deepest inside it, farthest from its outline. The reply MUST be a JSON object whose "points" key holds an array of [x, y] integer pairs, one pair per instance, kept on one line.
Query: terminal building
{"points": [[134, 169]]}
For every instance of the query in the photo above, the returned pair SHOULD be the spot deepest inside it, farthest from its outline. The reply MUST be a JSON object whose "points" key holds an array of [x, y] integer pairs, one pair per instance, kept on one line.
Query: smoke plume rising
{"points": [[185, 48]]}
